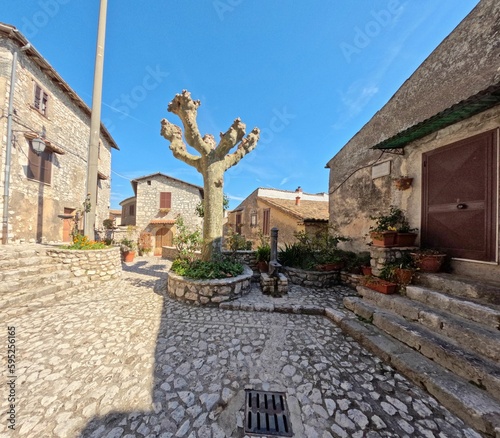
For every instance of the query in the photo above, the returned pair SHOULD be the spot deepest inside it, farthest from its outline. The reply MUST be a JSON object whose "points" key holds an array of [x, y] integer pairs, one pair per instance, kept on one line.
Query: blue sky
{"points": [[308, 73]]}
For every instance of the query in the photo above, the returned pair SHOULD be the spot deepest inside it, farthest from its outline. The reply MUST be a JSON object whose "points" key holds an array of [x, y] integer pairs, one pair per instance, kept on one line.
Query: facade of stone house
{"points": [[441, 128], [159, 199], [288, 211], [43, 191]]}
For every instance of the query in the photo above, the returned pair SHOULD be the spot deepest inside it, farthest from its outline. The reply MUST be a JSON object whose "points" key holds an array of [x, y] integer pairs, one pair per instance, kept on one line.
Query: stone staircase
{"points": [[30, 277], [444, 334]]}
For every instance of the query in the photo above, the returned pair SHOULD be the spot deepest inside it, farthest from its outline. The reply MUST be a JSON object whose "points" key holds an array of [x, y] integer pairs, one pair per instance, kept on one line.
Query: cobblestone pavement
{"points": [[127, 362]]}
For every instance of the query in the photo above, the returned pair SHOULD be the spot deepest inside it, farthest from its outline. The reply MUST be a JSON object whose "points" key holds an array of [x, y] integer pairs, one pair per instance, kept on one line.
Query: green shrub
{"points": [[201, 270]]}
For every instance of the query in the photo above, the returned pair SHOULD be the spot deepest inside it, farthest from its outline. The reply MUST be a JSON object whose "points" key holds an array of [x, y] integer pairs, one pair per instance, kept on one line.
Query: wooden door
{"points": [[67, 224], [459, 198], [163, 237]]}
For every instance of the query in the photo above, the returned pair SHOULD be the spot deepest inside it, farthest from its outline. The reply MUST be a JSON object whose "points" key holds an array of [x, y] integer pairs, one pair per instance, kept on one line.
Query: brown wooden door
{"points": [[164, 237], [459, 198], [67, 225]]}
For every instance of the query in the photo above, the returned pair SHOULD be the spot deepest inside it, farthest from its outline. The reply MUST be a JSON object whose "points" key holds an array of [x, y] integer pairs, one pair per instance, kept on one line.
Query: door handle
{"points": [[461, 206]]}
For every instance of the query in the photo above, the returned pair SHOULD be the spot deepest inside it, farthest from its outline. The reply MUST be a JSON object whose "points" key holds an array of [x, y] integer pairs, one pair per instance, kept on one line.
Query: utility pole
{"points": [[95, 125]]}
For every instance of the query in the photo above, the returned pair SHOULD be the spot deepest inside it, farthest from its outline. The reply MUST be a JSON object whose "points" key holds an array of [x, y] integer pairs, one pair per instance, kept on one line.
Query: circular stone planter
{"points": [[209, 291], [317, 279]]}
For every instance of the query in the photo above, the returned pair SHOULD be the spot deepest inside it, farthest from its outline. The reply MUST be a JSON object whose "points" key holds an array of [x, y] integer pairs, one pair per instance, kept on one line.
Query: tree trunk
{"points": [[213, 184]]}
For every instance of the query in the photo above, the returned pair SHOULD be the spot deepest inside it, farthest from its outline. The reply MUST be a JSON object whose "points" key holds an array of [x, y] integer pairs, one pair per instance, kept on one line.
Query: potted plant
{"points": [[263, 255], [144, 243], [406, 235], [379, 285], [127, 248], [403, 182], [384, 233], [332, 260], [428, 260]]}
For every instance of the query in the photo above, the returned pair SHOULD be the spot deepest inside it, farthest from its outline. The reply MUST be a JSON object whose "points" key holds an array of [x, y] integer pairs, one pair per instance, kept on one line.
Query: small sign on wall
{"points": [[381, 169]]}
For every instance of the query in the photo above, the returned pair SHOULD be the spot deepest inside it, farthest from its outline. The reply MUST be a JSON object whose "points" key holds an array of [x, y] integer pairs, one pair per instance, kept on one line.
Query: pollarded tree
{"points": [[213, 161]]}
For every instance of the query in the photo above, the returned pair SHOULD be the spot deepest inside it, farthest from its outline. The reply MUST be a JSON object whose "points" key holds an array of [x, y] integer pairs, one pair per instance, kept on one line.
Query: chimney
{"points": [[298, 190]]}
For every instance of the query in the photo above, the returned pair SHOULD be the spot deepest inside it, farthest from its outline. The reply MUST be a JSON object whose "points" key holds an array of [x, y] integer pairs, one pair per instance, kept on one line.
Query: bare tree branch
{"points": [[173, 134], [186, 109], [246, 146], [231, 138]]}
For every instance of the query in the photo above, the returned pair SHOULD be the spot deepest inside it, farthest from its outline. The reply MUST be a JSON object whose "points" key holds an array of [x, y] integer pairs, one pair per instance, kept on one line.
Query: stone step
{"points": [[15, 263], [28, 297], [476, 337], [8, 252], [472, 404], [22, 272], [18, 282], [488, 315], [482, 372], [486, 292]]}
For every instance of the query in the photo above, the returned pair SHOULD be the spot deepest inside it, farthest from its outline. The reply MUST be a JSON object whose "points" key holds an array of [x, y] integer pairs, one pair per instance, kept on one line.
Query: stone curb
{"points": [[469, 403]]}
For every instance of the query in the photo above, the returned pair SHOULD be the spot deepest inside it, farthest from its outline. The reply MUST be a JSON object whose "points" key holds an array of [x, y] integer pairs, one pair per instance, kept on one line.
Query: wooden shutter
{"points": [[40, 166], [238, 223], [165, 200], [266, 221]]}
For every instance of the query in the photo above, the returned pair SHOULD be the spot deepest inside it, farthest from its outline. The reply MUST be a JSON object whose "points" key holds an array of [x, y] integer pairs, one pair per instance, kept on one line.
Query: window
{"points": [[253, 219], [131, 210], [165, 200], [40, 165], [238, 223], [266, 219], [41, 99]]}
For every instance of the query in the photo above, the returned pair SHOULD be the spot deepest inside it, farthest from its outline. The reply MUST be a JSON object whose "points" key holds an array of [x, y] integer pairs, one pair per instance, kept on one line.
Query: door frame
{"points": [[493, 185]]}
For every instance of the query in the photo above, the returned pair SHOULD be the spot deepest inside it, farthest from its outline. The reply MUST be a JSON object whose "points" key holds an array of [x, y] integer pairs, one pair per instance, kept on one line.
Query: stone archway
{"points": [[163, 237]]}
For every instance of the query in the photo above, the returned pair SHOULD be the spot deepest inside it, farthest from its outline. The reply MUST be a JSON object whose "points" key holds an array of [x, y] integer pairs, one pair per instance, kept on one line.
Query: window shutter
{"points": [[33, 165], [266, 221], [165, 200]]}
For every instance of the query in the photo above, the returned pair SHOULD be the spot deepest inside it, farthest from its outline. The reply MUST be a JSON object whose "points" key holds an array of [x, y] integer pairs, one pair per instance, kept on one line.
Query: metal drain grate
{"points": [[266, 413]]}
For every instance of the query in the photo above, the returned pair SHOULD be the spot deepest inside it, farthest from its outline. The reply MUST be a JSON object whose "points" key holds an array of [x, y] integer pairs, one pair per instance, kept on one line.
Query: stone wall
{"points": [[314, 279], [97, 265], [244, 257], [185, 198], [35, 207], [379, 256], [205, 292]]}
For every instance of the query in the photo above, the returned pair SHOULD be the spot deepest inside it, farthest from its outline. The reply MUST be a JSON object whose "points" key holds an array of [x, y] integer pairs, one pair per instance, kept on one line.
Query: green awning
{"points": [[480, 102]]}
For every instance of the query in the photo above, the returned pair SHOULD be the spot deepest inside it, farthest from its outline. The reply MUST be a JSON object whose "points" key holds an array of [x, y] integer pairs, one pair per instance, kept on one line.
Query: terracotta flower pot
{"points": [[128, 256], [403, 276], [383, 239], [366, 270], [403, 183], [429, 262], [379, 285], [406, 239], [263, 266], [330, 266]]}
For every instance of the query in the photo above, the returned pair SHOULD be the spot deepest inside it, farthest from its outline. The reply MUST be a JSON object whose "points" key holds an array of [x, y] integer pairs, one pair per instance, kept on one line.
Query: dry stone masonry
{"points": [[98, 265], [209, 291]]}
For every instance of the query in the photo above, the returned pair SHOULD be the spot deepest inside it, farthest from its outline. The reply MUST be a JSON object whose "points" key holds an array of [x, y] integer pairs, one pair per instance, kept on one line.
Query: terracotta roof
{"points": [[307, 210], [162, 221]]}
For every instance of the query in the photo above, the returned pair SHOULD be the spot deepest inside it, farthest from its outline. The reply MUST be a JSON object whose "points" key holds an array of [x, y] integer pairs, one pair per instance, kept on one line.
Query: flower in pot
{"points": [[428, 260], [384, 232], [127, 248], [333, 260], [263, 255], [406, 235]]}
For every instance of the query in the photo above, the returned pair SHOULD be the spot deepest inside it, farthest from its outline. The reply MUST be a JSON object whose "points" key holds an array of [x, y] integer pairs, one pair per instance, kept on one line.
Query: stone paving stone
{"points": [[125, 361]]}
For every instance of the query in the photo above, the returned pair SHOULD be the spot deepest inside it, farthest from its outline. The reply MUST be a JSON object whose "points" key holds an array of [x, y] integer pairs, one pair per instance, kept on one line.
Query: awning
{"points": [[469, 107], [162, 221], [48, 145]]}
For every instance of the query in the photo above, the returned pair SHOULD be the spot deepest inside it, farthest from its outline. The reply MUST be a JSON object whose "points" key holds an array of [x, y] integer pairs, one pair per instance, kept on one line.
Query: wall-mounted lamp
{"points": [[38, 145]]}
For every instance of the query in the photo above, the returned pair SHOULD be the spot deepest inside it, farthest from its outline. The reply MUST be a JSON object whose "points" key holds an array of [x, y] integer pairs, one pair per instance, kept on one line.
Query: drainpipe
{"points": [[8, 153]]}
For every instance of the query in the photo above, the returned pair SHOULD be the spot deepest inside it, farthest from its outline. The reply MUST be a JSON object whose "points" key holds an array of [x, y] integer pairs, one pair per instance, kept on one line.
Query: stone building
{"points": [[441, 128], [42, 191], [290, 212], [157, 202]]}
